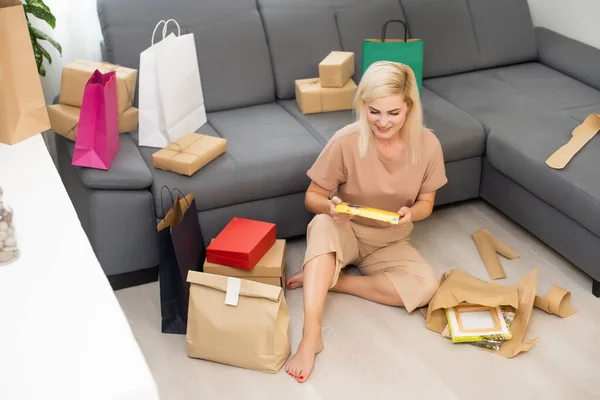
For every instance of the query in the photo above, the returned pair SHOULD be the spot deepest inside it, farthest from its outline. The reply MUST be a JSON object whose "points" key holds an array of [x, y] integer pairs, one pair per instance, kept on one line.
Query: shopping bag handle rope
{"points": [[162, 206], [182, 196], [162, 21], [165, 28], [406, 33]]}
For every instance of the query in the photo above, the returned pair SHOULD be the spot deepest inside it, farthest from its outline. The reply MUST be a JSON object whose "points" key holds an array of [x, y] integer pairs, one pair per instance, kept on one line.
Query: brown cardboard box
{"points": [[64, 120], [188, 154], [336, 69], [269, 270], [313, 98], [76, 74]]}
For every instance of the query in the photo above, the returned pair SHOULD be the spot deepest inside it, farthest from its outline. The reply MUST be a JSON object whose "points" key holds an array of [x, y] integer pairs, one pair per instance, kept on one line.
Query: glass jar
{"points": [[9, 251]]}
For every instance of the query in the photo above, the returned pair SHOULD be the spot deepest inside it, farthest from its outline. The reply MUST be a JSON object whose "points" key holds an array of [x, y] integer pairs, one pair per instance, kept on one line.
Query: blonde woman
{"points": [[387, 160]]}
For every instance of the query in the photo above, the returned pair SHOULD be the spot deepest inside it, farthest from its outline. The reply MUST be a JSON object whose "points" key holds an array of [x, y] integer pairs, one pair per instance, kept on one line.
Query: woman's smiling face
{"points": [[386, 115]]}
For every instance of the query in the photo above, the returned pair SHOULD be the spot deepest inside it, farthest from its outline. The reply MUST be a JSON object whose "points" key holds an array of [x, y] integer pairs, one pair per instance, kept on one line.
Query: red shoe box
{"points": [[242, 243]]}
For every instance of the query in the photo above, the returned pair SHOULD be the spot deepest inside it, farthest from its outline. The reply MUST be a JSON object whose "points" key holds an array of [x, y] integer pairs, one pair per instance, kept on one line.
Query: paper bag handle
{"points": [[406, 33], [166, 25], [162, 21], [162, 206]]}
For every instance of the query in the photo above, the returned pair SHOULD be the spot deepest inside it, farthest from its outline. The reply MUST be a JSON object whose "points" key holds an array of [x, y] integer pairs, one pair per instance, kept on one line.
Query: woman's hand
{"points": [[406, 215], [339, 218]]}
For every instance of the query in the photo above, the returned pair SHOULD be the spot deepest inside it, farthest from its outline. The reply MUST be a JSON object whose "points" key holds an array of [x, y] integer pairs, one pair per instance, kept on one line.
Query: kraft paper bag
{"points": [[579, 138], [458, 287], [171, 100], [407, 51], [237, 322], [23, 111], [97, 142]]}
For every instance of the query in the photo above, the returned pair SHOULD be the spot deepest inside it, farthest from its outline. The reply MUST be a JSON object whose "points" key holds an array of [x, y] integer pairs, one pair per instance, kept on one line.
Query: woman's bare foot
{"points": [[302, 363], [296, 280]]}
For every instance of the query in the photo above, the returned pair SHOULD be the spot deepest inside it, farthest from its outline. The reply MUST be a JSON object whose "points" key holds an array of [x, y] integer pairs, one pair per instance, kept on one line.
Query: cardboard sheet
{"points": [[557, 302], [457, 287], [489, 247], [580, 136]]}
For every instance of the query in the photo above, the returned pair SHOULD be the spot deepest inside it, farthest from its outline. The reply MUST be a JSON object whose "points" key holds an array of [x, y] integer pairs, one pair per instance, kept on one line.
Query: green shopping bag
{"points": [[407, 51]]}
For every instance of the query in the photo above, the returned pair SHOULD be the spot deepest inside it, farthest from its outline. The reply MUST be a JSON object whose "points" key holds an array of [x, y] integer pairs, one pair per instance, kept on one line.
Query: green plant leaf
{"points": [[44, 53], [38, 3], [38, 55], [41, 35], [42, 70], [41, 13]]}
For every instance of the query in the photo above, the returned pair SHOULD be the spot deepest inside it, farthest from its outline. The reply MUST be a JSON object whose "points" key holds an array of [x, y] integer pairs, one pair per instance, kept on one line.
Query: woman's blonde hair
{"points": [[386, 78]]}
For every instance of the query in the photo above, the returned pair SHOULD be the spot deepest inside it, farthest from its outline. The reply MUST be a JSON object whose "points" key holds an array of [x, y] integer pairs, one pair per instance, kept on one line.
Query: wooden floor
{"points": [[381, 352]]}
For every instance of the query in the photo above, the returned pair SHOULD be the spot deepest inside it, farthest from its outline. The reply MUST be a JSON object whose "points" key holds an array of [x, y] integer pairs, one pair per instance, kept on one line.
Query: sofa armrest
{"points": [[569, 56], [128, 171]]}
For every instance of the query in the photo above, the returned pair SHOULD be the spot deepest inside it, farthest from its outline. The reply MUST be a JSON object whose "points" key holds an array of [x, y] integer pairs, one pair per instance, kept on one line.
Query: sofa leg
{"points": [[595, 287]]}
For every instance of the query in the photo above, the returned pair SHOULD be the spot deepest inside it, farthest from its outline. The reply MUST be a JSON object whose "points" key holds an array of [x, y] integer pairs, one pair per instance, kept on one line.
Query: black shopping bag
{"points": [[181, 249]]}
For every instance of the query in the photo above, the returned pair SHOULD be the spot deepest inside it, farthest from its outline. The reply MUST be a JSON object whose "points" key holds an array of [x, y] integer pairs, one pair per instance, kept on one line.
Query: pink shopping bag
{"points": [[97, 141]]}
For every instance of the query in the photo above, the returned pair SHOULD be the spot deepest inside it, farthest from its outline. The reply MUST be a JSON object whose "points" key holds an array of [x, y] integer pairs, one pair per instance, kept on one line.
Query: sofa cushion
{"points": [[268, 154], [495, 95], [529, 111], [233, 57], [128, 170], [465, 35], [445, 27], [504, 32], [519, 151], [322, 125], [298, 40], [461, 135]]}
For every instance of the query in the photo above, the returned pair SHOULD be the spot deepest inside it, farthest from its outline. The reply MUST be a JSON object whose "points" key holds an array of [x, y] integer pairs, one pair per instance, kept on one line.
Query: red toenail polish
{"points": [[301, 377]]}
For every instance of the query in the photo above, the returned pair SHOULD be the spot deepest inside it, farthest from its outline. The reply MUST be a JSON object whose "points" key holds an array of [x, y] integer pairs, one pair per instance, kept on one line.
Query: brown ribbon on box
{"points": [[556, 302]]}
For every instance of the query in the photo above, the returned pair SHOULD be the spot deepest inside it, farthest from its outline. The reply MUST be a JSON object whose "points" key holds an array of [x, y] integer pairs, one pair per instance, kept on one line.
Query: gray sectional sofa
{"points": [[500, 95]]}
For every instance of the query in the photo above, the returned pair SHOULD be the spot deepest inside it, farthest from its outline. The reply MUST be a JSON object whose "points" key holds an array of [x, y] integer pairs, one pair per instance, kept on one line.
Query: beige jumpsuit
{"points": [[374, 246]]}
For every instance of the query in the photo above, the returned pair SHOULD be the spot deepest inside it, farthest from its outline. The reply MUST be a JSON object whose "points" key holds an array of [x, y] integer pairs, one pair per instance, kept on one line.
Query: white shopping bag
{"points": [[170, 100]]}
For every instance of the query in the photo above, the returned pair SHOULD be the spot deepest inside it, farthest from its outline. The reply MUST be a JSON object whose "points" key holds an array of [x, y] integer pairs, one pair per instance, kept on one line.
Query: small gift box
{"points": [[312, 97], [336, 69], [269, 270], [242, 243], [190, 153], [64, 120], [76, 74]]}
